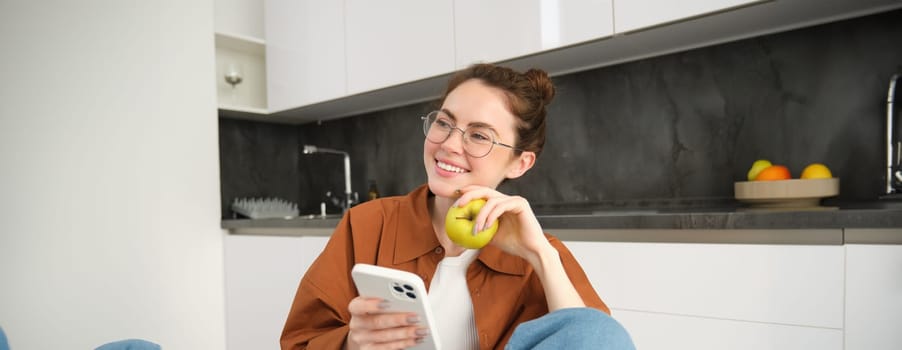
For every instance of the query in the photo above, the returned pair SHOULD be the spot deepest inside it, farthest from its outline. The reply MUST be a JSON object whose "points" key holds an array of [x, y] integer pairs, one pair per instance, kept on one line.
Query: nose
{"points": [[454, 144]]}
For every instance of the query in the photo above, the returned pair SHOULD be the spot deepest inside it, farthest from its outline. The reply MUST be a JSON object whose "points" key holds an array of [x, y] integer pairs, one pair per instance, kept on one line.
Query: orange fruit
{"points": [[774, 172], [816, 171]]}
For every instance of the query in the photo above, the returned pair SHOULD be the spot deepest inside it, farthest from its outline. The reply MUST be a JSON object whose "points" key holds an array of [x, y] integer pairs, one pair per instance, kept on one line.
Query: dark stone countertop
{"points": [[728, 218], [711, 218], [577, 220]]}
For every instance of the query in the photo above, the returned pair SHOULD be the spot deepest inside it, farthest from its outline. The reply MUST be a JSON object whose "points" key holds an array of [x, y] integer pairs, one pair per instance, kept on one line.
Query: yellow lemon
{"points": [[759, 165], [816, 171]]}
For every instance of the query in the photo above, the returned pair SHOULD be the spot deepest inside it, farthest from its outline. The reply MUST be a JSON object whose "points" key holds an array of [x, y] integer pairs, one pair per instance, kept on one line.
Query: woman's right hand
{"points": [[372, 328]]}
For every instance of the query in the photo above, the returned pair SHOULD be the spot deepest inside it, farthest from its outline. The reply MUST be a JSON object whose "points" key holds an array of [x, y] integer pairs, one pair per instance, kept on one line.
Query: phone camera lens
{"points": [[408, 287]]}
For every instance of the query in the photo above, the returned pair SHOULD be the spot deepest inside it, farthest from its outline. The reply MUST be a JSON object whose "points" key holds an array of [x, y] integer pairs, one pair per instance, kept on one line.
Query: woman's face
{"points": [[449, 167]]}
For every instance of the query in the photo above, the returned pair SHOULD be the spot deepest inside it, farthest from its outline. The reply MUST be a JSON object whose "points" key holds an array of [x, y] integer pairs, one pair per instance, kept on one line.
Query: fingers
{"points": [[392, 338], [383, 321], [372, 327], [472, 192], [365, 305], [370, 313], [496, 205], [390, 346]]}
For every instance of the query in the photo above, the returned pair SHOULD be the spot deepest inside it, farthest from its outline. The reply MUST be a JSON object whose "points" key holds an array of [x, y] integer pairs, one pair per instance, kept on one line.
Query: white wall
{"points": [[109, 185]]}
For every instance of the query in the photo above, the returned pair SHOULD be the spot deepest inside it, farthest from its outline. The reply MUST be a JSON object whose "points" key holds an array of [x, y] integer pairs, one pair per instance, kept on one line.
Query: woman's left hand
{"points": [[519, 232]]}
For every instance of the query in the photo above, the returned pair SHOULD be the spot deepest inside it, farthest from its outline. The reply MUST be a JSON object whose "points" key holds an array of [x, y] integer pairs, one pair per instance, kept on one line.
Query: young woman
{"points": [[490, 128]]}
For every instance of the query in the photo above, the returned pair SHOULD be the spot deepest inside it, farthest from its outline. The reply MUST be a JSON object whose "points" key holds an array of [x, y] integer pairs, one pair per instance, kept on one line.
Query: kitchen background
{"points": [[111, 185], [670, 130]]}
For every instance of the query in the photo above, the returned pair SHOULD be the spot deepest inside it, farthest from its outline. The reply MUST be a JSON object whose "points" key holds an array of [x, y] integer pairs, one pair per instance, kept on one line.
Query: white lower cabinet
{"points": [[667, 295], [874, 296], [261, 276], [769, 296], [664, 331]]}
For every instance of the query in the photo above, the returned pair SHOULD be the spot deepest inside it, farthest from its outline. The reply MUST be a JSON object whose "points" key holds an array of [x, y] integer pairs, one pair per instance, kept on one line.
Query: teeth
{"points": [[450, 168]]}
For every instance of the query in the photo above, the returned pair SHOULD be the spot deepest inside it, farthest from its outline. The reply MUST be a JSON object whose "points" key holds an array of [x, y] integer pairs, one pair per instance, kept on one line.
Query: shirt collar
{"points": [[416, 237]]}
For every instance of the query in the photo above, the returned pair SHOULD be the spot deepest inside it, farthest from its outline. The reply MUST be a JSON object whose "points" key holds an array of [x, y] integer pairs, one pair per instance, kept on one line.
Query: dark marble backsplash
{"points": [[681, 127], [257, 160]]}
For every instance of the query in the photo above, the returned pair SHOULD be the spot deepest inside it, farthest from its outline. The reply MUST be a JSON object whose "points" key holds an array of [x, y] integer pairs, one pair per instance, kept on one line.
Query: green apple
{"points": [[459, 226], [759, 165]]}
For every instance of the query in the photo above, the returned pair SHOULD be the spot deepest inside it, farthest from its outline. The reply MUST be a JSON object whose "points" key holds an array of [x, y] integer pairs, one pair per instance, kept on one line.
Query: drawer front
{"points": [[661, 331], [874, 295], [785, 284], [261, 278]]}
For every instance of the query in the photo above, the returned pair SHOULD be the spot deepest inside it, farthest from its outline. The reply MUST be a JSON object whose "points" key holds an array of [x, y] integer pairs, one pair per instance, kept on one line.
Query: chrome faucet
{"points": [[350, 198], [893, 143]]}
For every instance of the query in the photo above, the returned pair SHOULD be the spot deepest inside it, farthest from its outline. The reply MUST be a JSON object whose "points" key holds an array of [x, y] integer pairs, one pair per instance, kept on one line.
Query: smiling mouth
{"points": [[449, 167]]}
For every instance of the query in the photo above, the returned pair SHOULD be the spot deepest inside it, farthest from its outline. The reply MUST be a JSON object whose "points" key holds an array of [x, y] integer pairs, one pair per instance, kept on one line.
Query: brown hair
{"points": [[528, 94]]}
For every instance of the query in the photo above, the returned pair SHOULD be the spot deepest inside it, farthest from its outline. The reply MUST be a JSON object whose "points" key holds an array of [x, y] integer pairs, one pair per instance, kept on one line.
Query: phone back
{"points": [[404, 291]]}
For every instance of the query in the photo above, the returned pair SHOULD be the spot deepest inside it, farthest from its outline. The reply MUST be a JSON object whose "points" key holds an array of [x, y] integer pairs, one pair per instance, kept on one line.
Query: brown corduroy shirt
{"points": [[397, 232]]}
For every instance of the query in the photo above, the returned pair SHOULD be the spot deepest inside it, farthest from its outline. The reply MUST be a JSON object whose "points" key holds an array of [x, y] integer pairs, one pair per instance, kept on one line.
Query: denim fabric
{"points": [[4, 344], [572, 328], [129, 344]]}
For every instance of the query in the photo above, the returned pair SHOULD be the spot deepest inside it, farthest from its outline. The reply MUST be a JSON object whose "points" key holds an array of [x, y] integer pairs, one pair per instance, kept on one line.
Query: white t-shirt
{"points": [[451, 303]]}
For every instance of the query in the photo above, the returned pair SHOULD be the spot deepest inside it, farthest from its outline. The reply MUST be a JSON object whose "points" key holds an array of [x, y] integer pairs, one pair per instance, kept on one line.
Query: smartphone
{"points": [[404, 291]]}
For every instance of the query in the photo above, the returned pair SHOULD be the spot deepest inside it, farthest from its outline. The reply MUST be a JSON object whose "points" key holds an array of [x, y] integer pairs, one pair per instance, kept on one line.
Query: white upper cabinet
{"points": [[239, 18], [392, 42], [305, 52], [240, 74], [492, 31], [637, 14], [332, 59], [240, 62]]}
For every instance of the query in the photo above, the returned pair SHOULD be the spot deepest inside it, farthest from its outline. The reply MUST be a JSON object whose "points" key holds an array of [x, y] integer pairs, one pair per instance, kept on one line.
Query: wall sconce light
{"points": [[233, 74]]}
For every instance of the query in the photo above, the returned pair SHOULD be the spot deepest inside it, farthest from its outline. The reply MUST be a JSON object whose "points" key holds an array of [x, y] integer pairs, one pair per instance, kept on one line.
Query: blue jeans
{"points": [[571, 328]]}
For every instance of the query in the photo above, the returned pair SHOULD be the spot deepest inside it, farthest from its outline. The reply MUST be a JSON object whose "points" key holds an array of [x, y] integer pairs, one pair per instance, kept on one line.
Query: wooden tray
{"points": [[794, 193]]}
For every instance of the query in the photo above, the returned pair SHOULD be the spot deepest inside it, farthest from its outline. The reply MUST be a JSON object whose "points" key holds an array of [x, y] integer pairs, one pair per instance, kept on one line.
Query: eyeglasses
{"points": [[478, 140]]}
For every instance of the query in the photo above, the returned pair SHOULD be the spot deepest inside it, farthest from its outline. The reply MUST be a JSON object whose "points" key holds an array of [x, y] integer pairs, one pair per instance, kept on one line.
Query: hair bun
{"points": [[542, 83]]}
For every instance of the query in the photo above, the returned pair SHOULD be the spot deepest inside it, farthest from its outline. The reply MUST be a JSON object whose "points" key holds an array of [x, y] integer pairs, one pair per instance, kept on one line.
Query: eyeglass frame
{"points": [[463, 132]]}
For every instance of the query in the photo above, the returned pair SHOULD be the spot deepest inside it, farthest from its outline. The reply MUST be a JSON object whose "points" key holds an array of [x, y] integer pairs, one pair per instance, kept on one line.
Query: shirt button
{"points": [[439, 250]]}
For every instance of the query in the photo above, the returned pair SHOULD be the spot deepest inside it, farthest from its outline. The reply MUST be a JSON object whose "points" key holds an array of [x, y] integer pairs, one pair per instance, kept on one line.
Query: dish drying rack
{"points": [[264, 208]]}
